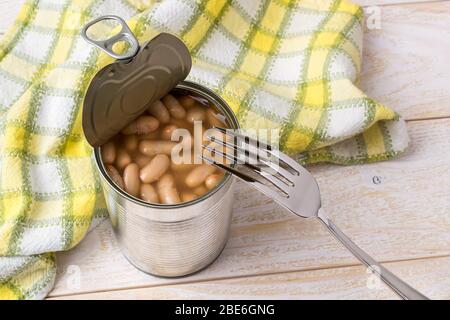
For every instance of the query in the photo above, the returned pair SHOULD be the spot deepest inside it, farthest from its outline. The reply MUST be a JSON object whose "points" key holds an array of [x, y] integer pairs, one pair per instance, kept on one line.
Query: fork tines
{"points": [[251, 160]]}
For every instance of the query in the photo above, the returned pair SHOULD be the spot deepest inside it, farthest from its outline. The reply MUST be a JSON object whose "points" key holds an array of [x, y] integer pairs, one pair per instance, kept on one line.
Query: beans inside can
{"points": [[157, 157]]}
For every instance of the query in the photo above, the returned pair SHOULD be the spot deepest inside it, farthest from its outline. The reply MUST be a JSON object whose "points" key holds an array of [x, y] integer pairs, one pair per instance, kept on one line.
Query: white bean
{"points": [[176, 110], [123, 159], [108, 153], [178, 167], [195, 114], [199, 174], [131, 179], [166, 132], [131, 142], [159, 111], [166, 181], [149, 136], [169, 196], [188, 196], [148, 193], [152, 148], [200, 190], [213, 180], [167, 191], [155, 169], [142, 160], [114, 174], [181, 123], [142, 125], [187, 101]]}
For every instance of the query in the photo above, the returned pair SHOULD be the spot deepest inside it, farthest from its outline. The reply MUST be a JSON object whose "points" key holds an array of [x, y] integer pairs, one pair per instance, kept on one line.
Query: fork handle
{"points": [[404, 290]]}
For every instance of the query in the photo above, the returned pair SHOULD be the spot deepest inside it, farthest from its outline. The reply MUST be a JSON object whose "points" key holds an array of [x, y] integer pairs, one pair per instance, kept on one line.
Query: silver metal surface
{"points": [[125, 34], [292, 186], [122, 91], [172, 240]]}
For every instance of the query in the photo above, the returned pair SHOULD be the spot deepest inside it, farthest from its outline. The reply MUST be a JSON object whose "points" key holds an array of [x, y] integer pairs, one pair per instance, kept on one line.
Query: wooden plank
{"points": [[406, 216], [404, 67], [431, 277], [405, 63]]}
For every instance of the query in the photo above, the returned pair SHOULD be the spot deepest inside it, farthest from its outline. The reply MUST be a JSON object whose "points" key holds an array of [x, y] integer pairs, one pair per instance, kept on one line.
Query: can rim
{"points": [[212, 97]]}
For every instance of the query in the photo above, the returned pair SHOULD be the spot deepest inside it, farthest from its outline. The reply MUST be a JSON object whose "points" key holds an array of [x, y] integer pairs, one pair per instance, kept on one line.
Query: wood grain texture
{"points": [[406, 63], [404, 217], [431, 276]]}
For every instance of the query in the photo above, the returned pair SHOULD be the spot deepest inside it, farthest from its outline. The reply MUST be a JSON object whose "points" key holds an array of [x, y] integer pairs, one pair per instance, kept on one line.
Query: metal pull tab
{"points": [[125, 35]]}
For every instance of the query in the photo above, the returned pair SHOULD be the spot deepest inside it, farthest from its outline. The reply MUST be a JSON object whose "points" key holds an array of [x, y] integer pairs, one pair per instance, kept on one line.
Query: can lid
{"points": [[123, 90]]}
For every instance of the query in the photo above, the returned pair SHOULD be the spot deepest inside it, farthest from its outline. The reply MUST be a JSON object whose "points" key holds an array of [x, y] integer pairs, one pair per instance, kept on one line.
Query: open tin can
{"points": [[163, 240]]}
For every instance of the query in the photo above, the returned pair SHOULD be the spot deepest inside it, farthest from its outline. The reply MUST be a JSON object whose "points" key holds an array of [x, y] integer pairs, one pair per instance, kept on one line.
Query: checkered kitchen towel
{"points": [[289, 65]]}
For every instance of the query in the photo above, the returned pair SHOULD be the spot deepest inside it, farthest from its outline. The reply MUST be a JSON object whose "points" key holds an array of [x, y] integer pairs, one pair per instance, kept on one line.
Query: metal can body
{"points": [[175, 240]]}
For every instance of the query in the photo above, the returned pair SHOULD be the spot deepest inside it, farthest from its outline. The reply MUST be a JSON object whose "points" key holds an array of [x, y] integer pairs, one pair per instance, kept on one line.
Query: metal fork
{"points": [[290, 185]]}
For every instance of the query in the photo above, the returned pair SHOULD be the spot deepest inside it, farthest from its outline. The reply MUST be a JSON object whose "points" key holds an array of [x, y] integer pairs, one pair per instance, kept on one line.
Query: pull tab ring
{"points": [[106, 45]]}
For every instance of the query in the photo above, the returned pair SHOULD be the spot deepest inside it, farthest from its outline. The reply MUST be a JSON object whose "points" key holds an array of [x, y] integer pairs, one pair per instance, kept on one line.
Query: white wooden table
{"points": [[403, 221]]}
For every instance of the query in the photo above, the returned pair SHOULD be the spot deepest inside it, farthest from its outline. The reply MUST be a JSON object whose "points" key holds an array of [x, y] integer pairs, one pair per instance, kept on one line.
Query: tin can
{"points": [[172, 240], [163, 240]]}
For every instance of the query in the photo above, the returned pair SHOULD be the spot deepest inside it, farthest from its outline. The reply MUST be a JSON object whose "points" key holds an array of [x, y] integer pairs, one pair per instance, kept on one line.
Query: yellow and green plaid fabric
{"points": [[280, 64]]}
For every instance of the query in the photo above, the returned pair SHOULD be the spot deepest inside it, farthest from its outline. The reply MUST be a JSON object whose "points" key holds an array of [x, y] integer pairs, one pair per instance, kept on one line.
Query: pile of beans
{"points": [[139, 159]]}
